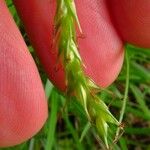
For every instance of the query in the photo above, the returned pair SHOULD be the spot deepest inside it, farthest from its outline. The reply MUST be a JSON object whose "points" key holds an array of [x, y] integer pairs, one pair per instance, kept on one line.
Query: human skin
{"points": [[101, 50], [23, 106], [132, 20]]}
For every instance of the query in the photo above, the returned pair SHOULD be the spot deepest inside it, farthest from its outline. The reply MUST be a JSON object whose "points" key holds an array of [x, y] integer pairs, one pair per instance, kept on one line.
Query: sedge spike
{"points": [[78, 84]]}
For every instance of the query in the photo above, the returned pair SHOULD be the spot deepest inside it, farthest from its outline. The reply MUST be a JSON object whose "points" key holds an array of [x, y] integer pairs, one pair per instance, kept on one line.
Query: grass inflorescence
{"points": [[70, 130], [78, 84]]}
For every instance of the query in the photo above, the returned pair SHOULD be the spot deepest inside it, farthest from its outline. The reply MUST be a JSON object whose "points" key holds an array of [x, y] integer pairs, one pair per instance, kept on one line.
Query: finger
{"points": [[23, 108], [132, 19], [101, 49]]}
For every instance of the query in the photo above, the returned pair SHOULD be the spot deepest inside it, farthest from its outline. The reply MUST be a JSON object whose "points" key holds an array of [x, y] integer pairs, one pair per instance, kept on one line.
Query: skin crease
{"points": [[132, 20], [23, 106], [102, 53]]}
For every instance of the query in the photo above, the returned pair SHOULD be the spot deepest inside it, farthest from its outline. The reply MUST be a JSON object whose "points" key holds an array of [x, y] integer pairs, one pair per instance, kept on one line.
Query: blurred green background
{"points": [[67, 128]]}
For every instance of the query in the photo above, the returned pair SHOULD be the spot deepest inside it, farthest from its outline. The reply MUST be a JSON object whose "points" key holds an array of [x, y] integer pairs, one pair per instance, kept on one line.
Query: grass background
{"points": [[67, 127]]}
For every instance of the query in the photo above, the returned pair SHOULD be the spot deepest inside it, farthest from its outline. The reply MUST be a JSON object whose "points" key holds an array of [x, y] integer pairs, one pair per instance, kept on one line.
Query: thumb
{"points": [[23, 108]]}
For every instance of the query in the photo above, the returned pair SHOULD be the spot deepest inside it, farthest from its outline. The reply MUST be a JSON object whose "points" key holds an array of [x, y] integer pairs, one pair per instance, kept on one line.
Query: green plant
{"points": [[71, 133], [78, 84]]}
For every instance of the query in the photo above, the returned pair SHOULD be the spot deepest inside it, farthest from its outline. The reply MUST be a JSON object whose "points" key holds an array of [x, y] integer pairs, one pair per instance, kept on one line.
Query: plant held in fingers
{"points": [[78, 84]]}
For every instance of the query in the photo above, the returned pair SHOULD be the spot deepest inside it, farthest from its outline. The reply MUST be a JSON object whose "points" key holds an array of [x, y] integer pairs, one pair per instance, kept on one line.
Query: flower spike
{"points": [[66, 21]]}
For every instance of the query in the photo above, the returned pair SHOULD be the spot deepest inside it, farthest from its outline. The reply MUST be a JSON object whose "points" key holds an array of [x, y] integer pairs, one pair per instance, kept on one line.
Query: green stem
{"points": [[31, 145], [122, 112]]}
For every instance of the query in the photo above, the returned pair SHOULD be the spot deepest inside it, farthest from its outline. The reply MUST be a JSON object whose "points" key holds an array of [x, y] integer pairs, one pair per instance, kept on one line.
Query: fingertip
{"points": [[23, 105], [132, 20]]}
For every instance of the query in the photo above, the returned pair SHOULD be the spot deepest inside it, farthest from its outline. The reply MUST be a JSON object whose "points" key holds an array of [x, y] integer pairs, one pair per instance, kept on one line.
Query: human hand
{"points": [[101, 49]]}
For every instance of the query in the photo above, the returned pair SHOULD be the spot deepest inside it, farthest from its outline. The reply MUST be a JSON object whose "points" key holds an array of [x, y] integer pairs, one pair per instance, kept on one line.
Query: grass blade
{"points": [[52, 120]]}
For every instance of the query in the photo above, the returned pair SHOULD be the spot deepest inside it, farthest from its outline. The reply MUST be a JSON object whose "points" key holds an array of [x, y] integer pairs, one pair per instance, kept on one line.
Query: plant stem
{"points": [[122, 112]]}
